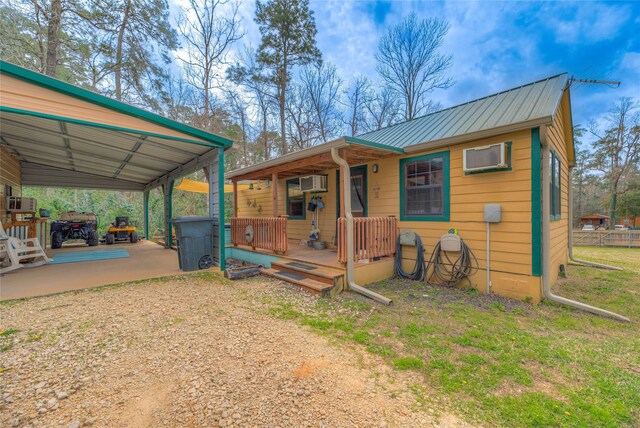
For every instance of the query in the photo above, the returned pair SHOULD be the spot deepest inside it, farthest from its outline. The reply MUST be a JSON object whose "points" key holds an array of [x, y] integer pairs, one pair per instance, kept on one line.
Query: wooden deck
{"points": [[365, 272], [327, 257]]}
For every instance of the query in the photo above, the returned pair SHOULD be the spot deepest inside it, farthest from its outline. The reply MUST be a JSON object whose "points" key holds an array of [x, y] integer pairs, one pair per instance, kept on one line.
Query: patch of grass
{"points": [[408, 363], [8, 332], [362, 337], [505, 363], [356, 305]]}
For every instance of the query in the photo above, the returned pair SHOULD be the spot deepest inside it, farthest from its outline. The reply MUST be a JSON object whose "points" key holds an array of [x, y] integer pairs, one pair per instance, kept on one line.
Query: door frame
{"points": [[365, 184]]}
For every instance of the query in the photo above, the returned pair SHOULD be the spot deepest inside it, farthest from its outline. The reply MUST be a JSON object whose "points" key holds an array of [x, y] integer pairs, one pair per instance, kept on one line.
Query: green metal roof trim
{"points": [[361, 142], [527, 103], [35, 78]]}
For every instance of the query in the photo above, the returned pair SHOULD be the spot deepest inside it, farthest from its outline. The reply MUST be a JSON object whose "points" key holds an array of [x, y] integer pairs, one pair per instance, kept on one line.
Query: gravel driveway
{"points": [[188, 351]]}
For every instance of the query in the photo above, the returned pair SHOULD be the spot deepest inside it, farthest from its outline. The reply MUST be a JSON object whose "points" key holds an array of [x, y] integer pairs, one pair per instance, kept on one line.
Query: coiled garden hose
{"points": [[418, 272], [447, 272]]}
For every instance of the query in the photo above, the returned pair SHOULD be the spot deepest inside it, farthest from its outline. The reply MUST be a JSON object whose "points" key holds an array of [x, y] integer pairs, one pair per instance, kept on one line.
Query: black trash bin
{"points": [[195, 242]]}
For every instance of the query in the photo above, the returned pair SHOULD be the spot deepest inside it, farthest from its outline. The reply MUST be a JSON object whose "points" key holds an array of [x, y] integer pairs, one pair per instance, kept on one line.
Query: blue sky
{"points": [[495, 45]]}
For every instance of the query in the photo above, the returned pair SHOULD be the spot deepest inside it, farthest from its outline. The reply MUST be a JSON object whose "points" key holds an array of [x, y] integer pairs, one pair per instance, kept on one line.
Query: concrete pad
{"points": [[146, 260]]}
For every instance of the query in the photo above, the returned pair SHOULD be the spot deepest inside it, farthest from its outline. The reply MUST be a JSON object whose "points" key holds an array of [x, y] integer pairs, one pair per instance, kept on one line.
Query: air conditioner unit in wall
{"points": [[485, 157], [313, 183], [21, 204]]}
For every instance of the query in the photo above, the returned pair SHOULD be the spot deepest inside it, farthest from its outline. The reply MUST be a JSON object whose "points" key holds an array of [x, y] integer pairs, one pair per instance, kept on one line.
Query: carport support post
{"points": [[214, 172], [145, 197], [167, 191]]}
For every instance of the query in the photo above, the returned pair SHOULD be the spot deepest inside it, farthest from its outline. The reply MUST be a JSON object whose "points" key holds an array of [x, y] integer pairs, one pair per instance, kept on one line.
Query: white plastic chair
{"points": [[14, 251]]}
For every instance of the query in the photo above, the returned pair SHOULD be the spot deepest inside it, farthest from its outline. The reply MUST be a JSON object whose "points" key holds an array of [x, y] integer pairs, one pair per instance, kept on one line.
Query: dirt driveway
{"points": [[188, 352]]}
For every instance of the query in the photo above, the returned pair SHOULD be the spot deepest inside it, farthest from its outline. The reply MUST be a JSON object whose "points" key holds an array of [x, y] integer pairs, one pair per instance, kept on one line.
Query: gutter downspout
{"points": [[583, 262], [350, 282], [546, 241]]}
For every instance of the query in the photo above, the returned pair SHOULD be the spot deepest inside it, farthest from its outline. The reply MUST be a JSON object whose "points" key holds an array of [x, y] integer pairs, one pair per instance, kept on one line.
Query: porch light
{"points": [[250, 186], [375, 168]]}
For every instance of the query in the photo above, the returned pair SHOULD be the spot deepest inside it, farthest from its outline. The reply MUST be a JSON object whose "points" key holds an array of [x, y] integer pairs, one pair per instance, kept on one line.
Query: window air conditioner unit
{"points": [[313, 183], [485, 157], [20, 204]]}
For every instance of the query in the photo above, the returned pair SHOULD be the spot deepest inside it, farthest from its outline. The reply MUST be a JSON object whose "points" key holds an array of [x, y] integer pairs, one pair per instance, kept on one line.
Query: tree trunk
{"points": [[282, 100], [612, 210], [118, 72], [264, 135], [53, 38]]}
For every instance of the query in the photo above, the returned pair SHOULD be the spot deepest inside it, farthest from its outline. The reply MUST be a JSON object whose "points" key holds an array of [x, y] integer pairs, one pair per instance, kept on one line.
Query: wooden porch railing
{"points": [[25, 229], [269, 233], [373, 237]]}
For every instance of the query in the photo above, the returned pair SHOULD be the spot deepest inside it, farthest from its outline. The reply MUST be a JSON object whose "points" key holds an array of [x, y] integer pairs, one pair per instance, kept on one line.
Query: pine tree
{"points": [[288, 32]]}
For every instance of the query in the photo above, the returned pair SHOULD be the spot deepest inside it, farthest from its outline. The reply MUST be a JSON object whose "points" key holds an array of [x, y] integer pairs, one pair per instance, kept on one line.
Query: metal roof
{"points": [[66, 136], [527, 104]]}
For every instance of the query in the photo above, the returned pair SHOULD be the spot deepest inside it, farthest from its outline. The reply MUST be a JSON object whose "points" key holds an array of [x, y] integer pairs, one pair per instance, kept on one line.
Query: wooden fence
{"points": [[25, 229], [607, 238], [373, 237], [267, 233]]}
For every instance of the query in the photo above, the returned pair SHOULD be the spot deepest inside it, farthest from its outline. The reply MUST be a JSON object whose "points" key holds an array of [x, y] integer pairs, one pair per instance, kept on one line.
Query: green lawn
{"points": [[500, 362]]}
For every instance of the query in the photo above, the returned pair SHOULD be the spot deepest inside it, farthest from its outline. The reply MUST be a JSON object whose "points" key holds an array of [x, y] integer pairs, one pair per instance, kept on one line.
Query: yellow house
{"points": [[428, 176]]}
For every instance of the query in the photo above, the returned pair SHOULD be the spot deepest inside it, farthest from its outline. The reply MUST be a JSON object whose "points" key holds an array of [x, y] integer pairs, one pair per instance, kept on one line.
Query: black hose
{"points": [[446, 272], [418, 272]]}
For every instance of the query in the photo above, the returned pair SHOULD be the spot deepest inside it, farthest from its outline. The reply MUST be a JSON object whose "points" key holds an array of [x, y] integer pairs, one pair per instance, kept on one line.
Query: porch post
{"points": [[235, 199], [343, 155], [167, 191], [274, 193], [145, 197]]}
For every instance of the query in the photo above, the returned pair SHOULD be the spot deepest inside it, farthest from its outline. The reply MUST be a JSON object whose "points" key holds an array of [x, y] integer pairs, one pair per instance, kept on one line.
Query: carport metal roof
{"points": [[67, 136]]}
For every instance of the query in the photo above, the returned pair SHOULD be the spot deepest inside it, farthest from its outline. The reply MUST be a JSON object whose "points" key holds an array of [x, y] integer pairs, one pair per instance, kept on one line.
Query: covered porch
{"points": [[273, 218]]}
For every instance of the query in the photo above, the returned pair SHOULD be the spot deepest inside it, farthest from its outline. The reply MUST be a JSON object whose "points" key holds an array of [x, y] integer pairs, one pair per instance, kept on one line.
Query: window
{"points": [[424, 187], [555, 194], [295, 200]]}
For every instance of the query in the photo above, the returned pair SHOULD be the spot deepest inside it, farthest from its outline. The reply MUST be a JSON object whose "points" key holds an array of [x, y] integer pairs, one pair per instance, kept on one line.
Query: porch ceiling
{"points": [[314, 160]]}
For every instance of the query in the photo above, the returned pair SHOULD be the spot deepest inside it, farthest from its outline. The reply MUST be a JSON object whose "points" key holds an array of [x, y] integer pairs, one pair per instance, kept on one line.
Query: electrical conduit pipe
{"points": [[583, 262], [346, 187], [546, 241]]}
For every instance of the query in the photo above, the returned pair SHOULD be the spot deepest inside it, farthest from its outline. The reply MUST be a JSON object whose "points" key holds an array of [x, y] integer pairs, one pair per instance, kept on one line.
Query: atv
{"points": [[120, 230], [74, 225]]}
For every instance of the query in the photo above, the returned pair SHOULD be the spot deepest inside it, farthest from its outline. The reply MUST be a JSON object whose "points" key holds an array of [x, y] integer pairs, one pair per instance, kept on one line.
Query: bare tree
{"points": [[239, 111], [209, 28], [409, 62], [321, 84], [616, 153], [383, 109], [358, 96], [301, 118], [250, 74]]}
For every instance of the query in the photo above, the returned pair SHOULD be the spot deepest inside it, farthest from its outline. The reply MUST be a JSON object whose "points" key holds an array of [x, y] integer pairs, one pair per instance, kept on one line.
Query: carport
{"points": [[66, 136]]}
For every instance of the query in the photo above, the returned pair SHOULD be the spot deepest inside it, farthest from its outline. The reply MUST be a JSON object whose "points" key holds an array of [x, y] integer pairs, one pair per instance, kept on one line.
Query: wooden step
{"points": [[317, 273], [308, 284]]}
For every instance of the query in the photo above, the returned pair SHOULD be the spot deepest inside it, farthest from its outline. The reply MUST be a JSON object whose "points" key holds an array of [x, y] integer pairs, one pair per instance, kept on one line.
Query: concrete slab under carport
{"points": [[146, 260]]}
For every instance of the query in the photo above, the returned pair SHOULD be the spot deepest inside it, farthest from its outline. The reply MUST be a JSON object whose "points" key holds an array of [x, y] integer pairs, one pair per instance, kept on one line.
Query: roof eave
{"points": [[65, 88], [290, 157], [486, 133]]}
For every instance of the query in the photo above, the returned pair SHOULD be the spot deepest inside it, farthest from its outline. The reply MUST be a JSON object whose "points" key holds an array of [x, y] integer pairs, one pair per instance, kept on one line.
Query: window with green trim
{"points": [[424, 187], [554, 183], [295, 200]]}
